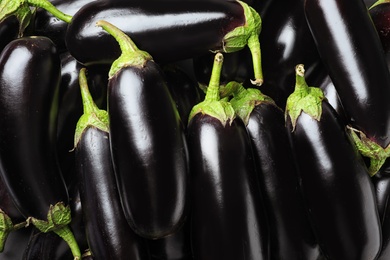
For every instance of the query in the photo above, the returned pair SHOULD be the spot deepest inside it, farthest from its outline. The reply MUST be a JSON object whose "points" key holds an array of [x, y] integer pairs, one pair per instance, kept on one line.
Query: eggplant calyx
{"points": [[6, 227], [19, 9], [378, 2], [304, 99], [92, 116], [58, 219], [368, 148], [244, 100], [131, 54], [247, 35], [212, 105]]}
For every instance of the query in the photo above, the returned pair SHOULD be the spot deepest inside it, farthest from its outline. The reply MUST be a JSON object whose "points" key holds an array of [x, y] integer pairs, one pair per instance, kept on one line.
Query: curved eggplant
{"points": [[336, 184], [183, 29], [29, 105], [351, 50], [148, 143]]}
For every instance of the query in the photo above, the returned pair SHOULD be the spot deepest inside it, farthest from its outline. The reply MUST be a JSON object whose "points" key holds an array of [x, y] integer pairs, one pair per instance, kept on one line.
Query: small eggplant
{"points": [[183, 29], [29, 84], [291, 234], [335, 181], [148, 143], [108, 234], [228, 218], [352, 53]]}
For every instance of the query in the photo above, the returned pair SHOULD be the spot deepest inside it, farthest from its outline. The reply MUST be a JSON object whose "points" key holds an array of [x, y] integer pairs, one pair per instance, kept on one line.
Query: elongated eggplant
{"points": [[352, 53], [228, 219], [9, 30], [336, 184], [291, 234], [108, 234], [183, 29], [148, 143], [29, 83], [71, 108]]}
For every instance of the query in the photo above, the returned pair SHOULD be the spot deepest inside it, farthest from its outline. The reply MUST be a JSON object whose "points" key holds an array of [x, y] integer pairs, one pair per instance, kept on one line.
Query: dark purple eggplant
{"points": [[228, 219], [291, 234], [16, 242], [29, 83], [9, 30], [352, 53], [380, 14], [148, 143], [108, 234], [335, 180], [183, 29], [71, 108]]}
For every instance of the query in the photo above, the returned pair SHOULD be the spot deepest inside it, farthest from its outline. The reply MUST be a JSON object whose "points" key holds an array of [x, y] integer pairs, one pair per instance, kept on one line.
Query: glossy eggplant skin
{"points": [[380, 17], [149, 150], [337, 188], [71, 108], [9, 28], [7, 204], [29, 83], [108, 234], [291, 234], [352, 53], [285, 40], [183, 29], [45, 24], [228, 218]]}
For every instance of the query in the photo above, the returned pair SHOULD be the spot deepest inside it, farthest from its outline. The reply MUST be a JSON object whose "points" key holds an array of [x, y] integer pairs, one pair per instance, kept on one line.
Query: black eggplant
{"points": [[379, 14], [228, 219], [108, 234], [183, 29], [352, 53], [29, 83], [291, 235], [9, 30], [335, 181], [148, 143], [71, 108]]}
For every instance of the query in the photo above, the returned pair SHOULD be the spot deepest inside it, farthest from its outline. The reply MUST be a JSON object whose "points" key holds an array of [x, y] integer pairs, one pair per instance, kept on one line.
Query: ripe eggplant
{"points": [[9, 30], [29, 83], [183, 29], [351, 50], [336, 184], [228, 219], [379, 14], [71, 108], [148, 143], [108, 234], [291, 235]]}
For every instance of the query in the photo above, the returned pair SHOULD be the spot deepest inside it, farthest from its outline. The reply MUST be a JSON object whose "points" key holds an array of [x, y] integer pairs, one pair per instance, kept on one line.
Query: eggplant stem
{"points": [[66, 234], [89, 106], [254, 47], [51, 9], [212, 93]]}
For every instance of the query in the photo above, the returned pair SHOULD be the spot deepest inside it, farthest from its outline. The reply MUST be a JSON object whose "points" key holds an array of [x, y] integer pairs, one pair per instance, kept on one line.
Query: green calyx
{"points": [[304, 98], [58, 219], [378, 2], [6, 227], [244, 100], [93, 116], [213, 105], [247, 35], [368, 148], [131, 55], [21, 9]]}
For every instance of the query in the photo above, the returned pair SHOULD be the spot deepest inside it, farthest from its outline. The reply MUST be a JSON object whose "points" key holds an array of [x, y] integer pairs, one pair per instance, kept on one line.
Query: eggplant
{"points": [[335, 181], [71, 108], [379, 13], [291, 234], [16, 242], [29, 106], [183, 29], [9, 30], [228, 219], [108, 234], [148, 145], [352, 53]]}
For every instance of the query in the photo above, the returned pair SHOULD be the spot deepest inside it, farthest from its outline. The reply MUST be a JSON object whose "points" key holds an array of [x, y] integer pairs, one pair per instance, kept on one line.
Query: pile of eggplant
{"points": [[194, 129]]}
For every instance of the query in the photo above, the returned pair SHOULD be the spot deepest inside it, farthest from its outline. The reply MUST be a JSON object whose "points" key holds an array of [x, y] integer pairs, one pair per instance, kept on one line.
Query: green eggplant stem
{"points": [[212, 93], [48, 6], [66, 234]]}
